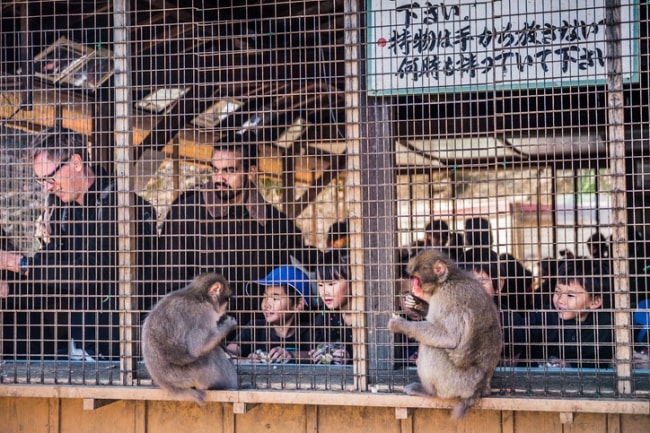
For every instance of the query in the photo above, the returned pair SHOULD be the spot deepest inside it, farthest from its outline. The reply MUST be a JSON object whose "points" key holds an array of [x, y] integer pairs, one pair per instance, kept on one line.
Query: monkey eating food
{"points": [[460, 340], [181, 339]]}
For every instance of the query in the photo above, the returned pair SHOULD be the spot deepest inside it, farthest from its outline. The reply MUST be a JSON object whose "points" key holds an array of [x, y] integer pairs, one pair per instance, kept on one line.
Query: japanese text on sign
{"points": [[434, 47]]}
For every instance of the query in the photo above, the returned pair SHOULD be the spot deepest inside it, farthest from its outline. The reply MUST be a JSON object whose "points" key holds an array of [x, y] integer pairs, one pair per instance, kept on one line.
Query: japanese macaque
{"points": [[460, 339], [181, 339]]}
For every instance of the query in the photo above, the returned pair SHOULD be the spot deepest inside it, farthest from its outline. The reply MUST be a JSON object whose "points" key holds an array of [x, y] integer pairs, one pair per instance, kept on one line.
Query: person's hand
{"points": [[279, 355], [557, 363], [339, 356], [258, 356], [10, 261], [642, 359], [329, 354], [316, 355], [4, 289]]}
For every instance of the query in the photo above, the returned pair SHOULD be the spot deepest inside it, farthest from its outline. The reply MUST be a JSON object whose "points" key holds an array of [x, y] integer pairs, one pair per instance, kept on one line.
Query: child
{"points": [[574, 332], [484, 264], [280, 337], [335, 321]]}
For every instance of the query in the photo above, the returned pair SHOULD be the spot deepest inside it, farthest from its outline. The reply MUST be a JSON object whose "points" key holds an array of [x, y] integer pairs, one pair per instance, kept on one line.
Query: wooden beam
{"points": [[566, 417], [96, 403], [295, 208], [242, 408], [168, 124], [633, 406], [403, 412]]}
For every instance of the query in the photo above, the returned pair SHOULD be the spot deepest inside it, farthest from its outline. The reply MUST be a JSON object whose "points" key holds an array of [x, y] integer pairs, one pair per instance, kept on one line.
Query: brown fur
{"points": [[181, 339], [460, 340]]}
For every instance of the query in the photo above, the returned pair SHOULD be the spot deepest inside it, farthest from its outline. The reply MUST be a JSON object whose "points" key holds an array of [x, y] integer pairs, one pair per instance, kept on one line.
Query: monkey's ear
{"points": [[215, 290], [440, 270]]}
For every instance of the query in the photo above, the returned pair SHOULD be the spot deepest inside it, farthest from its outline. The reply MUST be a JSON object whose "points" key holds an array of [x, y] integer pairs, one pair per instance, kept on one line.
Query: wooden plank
{"points": [[53, 415], [311, 418], [334, 398], [272, 418], [76, 112], [507, 421], [228, 418], [140, 414], [406, 425]]}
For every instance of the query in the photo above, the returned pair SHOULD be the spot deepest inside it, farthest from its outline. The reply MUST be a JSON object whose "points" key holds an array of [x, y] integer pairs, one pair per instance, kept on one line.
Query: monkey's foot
{"points": [[416, 388]]}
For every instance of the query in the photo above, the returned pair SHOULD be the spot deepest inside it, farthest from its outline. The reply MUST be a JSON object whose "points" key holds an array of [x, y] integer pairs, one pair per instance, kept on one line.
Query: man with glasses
{"points": [[65, 297], [226, 226]]}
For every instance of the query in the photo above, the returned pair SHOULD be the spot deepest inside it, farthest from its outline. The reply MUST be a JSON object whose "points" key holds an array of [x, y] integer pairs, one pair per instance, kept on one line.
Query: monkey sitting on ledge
{"points": [[460, 339], [181, 339]]}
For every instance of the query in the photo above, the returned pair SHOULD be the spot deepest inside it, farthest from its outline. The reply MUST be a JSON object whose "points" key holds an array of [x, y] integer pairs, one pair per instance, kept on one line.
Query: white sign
{"points": [[464, 45]]}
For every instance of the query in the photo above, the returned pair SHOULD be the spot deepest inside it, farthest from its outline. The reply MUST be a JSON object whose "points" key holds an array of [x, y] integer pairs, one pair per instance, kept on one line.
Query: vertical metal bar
{"points": [[353, 184], [126, 213], [616, 141], [26, 64], [380, 229]]}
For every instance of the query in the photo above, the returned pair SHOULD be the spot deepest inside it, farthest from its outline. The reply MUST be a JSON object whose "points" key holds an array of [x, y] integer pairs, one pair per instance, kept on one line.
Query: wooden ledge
{"points": [[246, 399]]}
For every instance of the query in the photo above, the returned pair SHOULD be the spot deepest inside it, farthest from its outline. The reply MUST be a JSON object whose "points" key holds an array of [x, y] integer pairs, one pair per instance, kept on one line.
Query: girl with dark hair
{"points": [[335, 321]]}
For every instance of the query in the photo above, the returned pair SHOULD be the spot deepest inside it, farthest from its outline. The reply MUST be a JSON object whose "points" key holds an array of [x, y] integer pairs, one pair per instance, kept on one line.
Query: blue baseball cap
{"points": [[290, 276], [642, 317]]}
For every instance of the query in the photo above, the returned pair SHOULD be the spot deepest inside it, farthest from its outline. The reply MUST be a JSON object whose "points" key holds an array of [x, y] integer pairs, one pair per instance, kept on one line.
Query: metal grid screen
{"points": [[307, 151]]}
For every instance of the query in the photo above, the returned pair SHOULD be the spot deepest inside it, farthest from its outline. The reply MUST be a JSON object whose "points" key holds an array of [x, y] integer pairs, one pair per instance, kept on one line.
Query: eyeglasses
{"points": [[49, 179]]}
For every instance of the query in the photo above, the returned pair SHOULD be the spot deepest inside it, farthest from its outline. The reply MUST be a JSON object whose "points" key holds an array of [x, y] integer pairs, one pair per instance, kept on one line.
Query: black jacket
{"points": [[239, 247], [587, 344], [76, 273]]}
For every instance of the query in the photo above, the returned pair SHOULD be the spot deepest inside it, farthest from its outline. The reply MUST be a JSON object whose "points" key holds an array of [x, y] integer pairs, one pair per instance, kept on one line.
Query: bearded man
{"points": [[226, 226]]}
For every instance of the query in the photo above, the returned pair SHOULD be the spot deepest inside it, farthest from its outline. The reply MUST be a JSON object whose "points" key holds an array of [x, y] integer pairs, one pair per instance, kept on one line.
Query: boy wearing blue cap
{"points": [[281, 336]]}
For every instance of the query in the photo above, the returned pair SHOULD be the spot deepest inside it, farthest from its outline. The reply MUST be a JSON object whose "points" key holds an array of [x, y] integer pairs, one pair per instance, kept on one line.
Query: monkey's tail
{"points": [[190, 394], [461, 409]]}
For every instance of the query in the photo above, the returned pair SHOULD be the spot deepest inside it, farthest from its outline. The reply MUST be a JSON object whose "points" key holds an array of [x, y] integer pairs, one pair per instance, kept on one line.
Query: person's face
{"points": [[278, 307], [228, 176], [61, 178], [433, 240], [339, 243], [572, 301], [335, 293], [487, 282]]}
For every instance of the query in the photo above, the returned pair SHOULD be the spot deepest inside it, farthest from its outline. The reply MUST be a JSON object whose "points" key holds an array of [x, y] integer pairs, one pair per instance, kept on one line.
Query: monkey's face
{"points": [[417, 290], [221, 309], [405, 291]]}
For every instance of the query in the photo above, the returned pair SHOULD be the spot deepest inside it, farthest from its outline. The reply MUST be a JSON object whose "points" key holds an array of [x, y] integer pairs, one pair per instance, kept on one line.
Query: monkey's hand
{"points": [[416, 304], [226, 323], [396, 325]]}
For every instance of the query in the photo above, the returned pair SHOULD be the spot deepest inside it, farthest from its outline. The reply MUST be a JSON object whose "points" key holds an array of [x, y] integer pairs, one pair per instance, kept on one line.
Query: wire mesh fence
{"points": [[308, 151]]}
